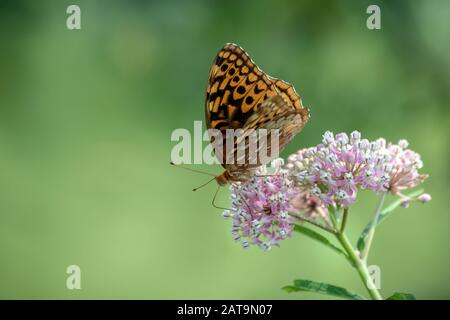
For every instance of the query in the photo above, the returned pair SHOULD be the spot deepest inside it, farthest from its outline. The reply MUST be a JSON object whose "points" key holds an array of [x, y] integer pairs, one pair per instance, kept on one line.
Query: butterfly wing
{"points": [[277, 117], [237, 89], [276, 114]]}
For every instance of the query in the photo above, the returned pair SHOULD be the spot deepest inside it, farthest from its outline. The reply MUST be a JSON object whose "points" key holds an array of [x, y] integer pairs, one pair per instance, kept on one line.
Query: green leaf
{"points": [[322, 288], [402, 296], [383, 215], [320, 238]]}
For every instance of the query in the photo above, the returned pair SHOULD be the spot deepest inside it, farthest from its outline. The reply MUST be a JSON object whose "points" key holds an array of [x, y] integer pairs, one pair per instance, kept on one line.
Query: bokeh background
{"points": [[85, 124]]}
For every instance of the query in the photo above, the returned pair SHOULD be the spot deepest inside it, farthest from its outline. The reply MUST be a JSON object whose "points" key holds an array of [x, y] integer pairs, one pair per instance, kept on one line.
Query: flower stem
{"points": [[344, 220], [359, 264], [366, 250]]}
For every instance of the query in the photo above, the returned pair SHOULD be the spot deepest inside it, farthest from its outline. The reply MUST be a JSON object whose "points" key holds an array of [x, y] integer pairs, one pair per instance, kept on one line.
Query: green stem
{"points": [[359, 264], [344, 220], [366, 250]]}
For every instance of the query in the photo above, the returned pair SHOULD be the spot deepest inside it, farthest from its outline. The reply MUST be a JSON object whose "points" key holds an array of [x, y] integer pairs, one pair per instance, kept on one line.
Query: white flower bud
{"points": [[403, 143], [424, 198], [227, 213], [316, 191], [364, 144], [266, 246], [341, 195], [284, 215], [381, 142], [277, 163], [328, 138], [348, 177], [355, 136], [405, 203]]}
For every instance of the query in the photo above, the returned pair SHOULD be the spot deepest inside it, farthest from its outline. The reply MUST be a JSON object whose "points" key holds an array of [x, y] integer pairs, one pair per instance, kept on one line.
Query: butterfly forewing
{"points": [[241, 96]]}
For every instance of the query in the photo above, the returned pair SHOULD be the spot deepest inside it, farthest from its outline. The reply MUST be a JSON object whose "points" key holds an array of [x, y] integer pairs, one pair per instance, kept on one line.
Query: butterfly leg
{"points": [[213, 202]]}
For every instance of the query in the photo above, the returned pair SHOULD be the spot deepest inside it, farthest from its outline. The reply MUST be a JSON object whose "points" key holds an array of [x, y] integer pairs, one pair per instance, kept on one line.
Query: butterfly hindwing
{"points": [[279, 120]]}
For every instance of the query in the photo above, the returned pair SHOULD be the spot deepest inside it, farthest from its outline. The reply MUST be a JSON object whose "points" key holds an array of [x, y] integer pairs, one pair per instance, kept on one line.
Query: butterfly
{"points": [[240, 95]]}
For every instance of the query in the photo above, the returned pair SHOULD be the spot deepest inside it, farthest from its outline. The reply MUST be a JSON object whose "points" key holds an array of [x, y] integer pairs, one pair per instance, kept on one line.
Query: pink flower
{"points": [[309, 206], [404, 167], [265, 208], [260, 209], [337, 168]]}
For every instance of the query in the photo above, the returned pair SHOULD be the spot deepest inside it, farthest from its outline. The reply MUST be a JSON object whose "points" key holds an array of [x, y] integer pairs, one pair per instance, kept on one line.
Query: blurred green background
{"points": [[85, 124]]}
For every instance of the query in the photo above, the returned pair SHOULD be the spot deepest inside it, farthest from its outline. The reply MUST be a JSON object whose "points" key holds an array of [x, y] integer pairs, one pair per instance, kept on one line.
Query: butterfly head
{"points": [[224, 178]]}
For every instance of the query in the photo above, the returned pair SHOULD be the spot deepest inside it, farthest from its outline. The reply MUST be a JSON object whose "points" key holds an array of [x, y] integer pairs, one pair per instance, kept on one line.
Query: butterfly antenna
{"points": [[193, 170], [195, 189]]}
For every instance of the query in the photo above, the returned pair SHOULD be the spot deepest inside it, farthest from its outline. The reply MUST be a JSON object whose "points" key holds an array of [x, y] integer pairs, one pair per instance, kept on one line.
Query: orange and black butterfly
{"points": [[241, 96]]}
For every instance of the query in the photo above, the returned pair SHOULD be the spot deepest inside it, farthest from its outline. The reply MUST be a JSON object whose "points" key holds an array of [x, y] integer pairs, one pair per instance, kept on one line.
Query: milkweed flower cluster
{"points": [[265, 208], [337, 168], [260, 208]]}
